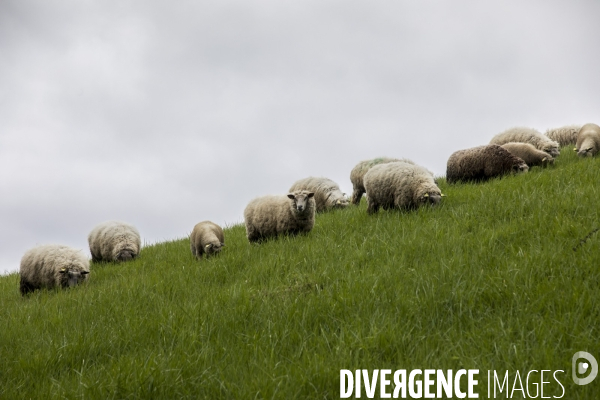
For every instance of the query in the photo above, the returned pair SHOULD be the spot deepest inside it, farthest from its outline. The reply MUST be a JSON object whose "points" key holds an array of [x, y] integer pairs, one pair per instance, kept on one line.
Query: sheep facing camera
{"points": [[580, 367]]}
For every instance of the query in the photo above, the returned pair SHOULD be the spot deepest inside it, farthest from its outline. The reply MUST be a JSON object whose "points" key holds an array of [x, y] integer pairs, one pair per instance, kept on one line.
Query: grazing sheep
{"points": [[482, 163], [527, 135], [114, 241], [327, 193], [588, 140], [52, 266], [274, 215], [358, 172], [206, 238], [564, 136], [529, 154], [399, 185]]}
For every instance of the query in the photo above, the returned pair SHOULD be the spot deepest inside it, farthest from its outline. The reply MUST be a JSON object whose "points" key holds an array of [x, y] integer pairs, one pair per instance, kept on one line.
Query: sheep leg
{"points": [[372, 207], [26, 287], [356, 195]]}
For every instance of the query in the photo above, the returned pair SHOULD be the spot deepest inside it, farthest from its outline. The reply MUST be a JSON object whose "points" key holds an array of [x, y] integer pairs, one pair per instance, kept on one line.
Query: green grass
{"points": [[488, 280]]}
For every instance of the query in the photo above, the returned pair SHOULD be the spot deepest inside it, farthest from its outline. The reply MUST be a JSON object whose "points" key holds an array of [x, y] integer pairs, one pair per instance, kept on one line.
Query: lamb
{"points": [[327, 193], [114, 241], [588, 140], [527, 135], [532, 156], [206, 238], [52, 266], [269, 216], [482, 163], [399, 185], [358, 172], [564, 136]]}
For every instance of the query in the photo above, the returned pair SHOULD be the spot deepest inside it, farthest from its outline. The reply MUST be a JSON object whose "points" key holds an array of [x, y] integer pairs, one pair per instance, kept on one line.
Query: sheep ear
{"points": [[85, 272], [339, 202], [544, 159], [208, 246], [311, 194], [62, 271], [575, 149], [291, 196], [426, 195], [443, 195]]}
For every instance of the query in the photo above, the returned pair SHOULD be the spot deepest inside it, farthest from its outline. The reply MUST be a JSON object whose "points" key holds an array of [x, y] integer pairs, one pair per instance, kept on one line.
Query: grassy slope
{"points": [[487, 280]]}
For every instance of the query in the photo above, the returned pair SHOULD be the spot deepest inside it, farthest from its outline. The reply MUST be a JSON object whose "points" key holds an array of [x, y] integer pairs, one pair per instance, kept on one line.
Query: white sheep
{"points": [[358, 172], [482, 163], [114, 241], [527, 135], [269, 216], [588, 140], [532, 156], [206, 238], [52, 266], [327, 193], [565, 135], [399, 185]]}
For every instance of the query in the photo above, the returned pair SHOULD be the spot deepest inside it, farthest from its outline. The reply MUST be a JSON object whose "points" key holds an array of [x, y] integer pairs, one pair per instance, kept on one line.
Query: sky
{"points": [[164, 114]]}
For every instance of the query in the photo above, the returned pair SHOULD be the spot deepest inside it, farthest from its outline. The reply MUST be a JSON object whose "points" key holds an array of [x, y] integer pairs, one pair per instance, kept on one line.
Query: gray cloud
{"points": [[166, 114]]}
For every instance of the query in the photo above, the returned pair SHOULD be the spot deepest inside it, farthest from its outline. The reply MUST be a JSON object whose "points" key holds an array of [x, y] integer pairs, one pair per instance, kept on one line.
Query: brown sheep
{"points": [[482, 163]]}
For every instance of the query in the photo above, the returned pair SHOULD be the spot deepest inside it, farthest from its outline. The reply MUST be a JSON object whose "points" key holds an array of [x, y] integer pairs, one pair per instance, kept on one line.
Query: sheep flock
{"points": [[389, 183]]}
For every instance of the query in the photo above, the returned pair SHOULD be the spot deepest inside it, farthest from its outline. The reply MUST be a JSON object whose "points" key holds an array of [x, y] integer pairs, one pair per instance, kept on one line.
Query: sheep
{"points": [[399, 185], [206, 238], [482, 163], [529, 154], [564, 136], [358, 172], [588, 140], [114, 241], [327, 193], [52, 266], [274, 215], [527, 135]]}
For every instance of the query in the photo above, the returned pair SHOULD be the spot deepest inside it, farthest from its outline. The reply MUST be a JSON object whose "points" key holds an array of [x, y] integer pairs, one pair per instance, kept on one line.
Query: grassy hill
{"points": [[488, 280]]}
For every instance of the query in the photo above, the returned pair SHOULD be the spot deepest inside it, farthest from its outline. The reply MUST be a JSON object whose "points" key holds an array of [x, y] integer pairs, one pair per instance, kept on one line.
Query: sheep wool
{"points": [[114, 241], [327, 193], [358, 172], [206, 238], [270, 216], [527, 135], [532, 156], [400, 185], [588, 140], [482, 163], [565, 135], [52, 266]]}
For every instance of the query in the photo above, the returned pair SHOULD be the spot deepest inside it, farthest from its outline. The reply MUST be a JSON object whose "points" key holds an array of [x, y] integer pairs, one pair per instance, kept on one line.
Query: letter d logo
{"points": [[580, 368]]}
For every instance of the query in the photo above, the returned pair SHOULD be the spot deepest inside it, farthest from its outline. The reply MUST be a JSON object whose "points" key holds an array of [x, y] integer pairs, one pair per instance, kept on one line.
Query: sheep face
{"points": [[552, 149], [521, 167], [72, 277], [432, 197], [213, 248], [586, 152], [342, 202], [125, 255], [300, 201]]}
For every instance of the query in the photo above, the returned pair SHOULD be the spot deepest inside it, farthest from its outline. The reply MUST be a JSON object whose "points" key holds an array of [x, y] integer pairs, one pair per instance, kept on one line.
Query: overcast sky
{"points": [[163, 114]]}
